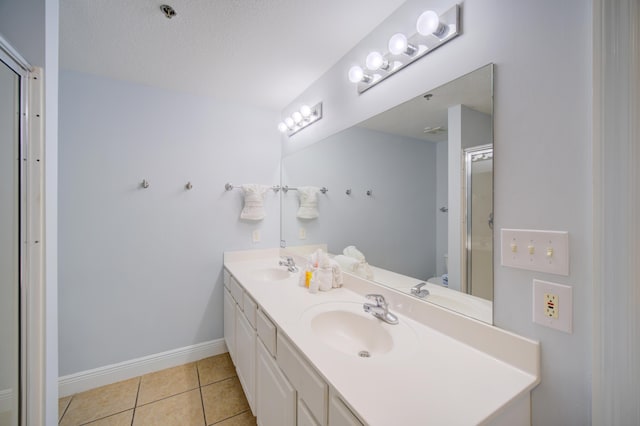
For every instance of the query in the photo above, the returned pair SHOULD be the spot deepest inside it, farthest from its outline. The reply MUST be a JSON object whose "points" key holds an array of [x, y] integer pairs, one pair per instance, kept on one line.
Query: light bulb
{"points": [[399, 44], [429, 23], [289, 122], [297, 117], [305, 111], [356, 74], [282, 127], [375, 61]]}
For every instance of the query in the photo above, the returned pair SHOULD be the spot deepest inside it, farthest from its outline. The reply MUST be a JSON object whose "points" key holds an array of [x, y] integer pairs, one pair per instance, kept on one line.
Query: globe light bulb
{"points": [[282, 127], [429, 23], [356, 74], [305, 110], [289, 122], [297, 117], [398, 44], [375, 61]]}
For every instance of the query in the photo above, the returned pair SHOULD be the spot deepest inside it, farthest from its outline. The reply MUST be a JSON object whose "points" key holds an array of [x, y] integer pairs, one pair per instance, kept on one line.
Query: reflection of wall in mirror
{"points": [[395, 227]]}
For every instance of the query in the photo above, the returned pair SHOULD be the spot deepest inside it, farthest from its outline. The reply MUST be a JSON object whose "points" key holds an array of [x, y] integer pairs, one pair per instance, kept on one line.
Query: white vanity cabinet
{"points": [[276, 398], [240, 336]]}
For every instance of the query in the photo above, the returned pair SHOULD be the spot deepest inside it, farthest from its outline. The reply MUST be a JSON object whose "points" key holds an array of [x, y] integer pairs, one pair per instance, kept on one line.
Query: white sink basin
{"points": [[345, 327], [271, 274]]}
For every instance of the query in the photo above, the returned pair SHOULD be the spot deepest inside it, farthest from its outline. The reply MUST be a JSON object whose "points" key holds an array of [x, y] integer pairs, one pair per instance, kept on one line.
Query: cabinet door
{"points": [[230, 324], [275, 397], [305, 418], [340, 415], [246, 356]]}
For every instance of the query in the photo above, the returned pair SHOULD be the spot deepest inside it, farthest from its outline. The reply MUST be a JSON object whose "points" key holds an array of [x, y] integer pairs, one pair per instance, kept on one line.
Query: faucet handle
{"points": [[379, 299]]}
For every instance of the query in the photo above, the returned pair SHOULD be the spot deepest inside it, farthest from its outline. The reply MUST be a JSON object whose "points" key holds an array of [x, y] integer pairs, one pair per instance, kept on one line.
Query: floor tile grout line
{"points": [[230, 417], [106, 417], [135, 405], [65, 410], [204, 414]]}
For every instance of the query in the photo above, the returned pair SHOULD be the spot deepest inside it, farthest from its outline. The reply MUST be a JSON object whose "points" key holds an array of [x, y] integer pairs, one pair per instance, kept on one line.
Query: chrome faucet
{"points": [[381, 308], [418, 291], [289, 263]]}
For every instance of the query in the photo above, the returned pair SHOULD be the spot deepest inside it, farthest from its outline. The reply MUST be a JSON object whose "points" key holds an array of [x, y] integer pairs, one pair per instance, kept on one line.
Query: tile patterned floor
{"points": [[202, 393]]}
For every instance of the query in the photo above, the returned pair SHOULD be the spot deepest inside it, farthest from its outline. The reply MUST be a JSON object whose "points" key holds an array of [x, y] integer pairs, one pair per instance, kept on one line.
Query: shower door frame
{"points": [[31, 237]]}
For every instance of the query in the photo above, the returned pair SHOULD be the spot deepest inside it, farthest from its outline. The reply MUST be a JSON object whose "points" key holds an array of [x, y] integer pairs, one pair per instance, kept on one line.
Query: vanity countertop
{"points": [[460, 371]]}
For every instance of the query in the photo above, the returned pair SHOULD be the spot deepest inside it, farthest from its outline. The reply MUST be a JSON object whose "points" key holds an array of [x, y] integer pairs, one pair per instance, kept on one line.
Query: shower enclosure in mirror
{"points": [[400, 189]]}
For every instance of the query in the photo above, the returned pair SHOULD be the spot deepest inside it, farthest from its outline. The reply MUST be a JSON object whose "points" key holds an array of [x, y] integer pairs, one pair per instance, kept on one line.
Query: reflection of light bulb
{"points": [[375, 61], [289, 122], [297, 117], [282, 127], [305, 111], [356, 74], [399, 44], [429, 23]]}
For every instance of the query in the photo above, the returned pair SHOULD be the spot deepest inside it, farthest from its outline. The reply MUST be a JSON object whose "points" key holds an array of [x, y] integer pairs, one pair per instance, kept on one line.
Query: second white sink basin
{"points": [[345, 327], [271, 274]]}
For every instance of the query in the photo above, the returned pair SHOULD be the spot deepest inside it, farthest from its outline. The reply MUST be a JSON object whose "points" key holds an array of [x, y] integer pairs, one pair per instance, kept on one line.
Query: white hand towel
{"points": [[352, 251], [337, 274], [347, 263], [308, 202], [325, 278], [253, 201]]}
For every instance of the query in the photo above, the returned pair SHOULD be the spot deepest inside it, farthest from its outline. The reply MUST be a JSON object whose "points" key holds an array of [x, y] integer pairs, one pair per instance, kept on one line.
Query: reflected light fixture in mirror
{"points": [[432, 31], [301, 119]]}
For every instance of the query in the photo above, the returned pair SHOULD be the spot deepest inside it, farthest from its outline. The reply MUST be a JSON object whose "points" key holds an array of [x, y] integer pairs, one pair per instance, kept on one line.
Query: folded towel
{"points": [[352, 251], [308, 202], [337, 274], [253, 201], [355, 266]]}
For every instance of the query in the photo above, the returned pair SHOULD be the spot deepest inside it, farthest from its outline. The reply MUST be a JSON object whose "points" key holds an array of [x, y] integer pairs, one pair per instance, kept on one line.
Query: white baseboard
{"points": [[6, 400], [85, 380]]}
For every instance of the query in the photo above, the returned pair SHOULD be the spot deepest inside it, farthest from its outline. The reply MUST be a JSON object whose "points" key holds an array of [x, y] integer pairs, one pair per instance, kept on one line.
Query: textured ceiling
{"points": [[258, 52]]}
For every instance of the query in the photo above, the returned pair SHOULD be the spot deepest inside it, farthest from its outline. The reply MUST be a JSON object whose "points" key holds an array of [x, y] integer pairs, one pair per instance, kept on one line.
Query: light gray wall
{"points": [[543, 104], [400, 214], [141, 269], [31, 27]]}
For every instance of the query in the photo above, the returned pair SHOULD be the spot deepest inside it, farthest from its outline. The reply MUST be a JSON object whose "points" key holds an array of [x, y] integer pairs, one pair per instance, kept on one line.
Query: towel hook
{"points": [[324, 190], [348, 191], [188, 186], [145, 183], [228, 186], [369, 192]]}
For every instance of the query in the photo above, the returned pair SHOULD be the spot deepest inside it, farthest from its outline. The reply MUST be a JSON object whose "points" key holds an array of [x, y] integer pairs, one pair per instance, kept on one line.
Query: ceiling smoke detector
{"points": [[168, 11]]}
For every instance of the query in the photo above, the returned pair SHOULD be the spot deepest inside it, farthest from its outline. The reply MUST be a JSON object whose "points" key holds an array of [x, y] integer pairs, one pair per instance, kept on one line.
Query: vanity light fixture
{"points": [[301, 119], [432, 31]]}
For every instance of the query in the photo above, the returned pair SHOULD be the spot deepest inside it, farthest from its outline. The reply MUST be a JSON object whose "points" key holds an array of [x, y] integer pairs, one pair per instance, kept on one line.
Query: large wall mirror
{"points": [[412, 190]]}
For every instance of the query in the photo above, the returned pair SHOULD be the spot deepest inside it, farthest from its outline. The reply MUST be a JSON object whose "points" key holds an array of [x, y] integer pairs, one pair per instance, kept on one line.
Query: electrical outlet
{"points": [[302, 234], [547, 297], [255, 236], [551, 305]]}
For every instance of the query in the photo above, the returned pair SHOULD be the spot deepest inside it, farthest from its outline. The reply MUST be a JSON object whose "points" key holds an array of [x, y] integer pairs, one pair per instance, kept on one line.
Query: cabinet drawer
{"points": [[250, 308], [267, 332], [236, 292], [310, 386]]}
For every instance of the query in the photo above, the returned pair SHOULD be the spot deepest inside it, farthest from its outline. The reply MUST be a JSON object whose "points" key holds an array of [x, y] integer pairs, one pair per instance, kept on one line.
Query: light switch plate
{"points": [[255, 236], [543, 251], [562, 315]]}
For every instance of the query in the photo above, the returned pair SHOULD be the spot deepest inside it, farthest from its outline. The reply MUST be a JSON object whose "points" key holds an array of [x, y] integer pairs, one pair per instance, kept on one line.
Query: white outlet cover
{"points": [[255, 236], [564, 322]]}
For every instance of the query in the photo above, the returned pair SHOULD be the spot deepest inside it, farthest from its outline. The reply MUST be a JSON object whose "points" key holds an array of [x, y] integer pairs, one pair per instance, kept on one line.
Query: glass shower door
{"points": [[9, 246]]}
